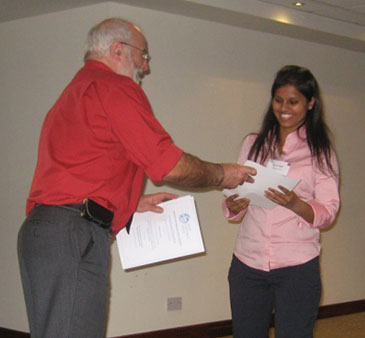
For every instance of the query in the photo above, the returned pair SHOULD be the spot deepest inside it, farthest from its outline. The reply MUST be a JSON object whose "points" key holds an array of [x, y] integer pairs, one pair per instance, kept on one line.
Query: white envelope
{"points": [[264, 179]]}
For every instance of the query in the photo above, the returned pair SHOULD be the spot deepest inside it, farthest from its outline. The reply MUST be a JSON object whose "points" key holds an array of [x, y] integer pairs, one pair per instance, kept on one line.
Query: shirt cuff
{"points": [[164, 163], [320, 215], [230, 215]]}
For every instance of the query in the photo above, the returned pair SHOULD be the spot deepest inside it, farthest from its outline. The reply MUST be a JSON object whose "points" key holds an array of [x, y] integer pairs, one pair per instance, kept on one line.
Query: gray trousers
{"points": [[64, 264], [292, 292]]}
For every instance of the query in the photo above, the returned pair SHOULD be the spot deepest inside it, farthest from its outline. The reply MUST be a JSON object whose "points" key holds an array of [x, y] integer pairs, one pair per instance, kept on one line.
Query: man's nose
{"points": [[146, 66]]}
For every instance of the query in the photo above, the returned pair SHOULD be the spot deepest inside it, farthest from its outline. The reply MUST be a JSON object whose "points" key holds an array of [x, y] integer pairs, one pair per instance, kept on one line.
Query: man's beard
{"points": [[138, 75]]}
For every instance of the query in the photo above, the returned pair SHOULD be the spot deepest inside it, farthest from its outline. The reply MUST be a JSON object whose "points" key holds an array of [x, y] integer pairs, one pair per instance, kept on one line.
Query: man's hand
{"points": [[149, 202], [236, 174], [190, 171]]}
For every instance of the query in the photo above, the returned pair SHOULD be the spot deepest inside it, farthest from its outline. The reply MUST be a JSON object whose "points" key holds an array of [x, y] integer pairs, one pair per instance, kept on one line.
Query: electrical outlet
{"points": [[174, 303]]}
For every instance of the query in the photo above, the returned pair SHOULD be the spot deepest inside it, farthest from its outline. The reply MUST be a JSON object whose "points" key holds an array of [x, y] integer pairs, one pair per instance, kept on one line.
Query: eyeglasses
{"points": [[144, 53]]}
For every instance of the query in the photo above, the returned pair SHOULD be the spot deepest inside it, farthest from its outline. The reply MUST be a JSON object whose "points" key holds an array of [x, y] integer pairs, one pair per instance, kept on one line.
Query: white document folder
{"points": [[159, 237]]}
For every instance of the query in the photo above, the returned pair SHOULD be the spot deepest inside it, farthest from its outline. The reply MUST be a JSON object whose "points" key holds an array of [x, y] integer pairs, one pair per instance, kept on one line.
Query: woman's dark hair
{"points": [[318, 140]]}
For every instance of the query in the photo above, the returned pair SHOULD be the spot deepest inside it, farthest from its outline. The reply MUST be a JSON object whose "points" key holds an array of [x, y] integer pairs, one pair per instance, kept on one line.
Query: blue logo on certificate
{"points": [[184, 218]]}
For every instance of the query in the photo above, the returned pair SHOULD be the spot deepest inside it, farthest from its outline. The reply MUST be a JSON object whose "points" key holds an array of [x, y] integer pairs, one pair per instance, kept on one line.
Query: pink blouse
{"points": [[275, 238]]}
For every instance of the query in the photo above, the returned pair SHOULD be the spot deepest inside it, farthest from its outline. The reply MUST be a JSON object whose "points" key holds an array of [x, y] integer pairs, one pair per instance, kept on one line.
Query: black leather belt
{"points": [[77, 206], [92, 213]]}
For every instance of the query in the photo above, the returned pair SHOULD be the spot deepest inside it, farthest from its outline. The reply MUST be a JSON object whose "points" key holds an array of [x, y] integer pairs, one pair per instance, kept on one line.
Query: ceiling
{"points": [[17, 9], [350, 11], [339, 23]]}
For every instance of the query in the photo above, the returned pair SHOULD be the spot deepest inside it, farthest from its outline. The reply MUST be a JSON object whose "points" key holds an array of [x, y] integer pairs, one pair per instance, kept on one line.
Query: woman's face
{"points": [[290, 108]]}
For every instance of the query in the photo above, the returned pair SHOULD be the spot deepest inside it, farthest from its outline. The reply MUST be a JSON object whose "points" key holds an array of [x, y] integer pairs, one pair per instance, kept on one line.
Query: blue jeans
{"points": [[64, 264], [293, 293]]}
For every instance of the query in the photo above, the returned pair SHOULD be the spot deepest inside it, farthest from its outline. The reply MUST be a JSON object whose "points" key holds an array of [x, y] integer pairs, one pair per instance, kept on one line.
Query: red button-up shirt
{"points": [[98, 141]]}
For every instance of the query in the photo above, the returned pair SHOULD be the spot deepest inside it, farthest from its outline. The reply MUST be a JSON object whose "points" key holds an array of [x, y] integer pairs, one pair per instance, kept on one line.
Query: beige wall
{"points": [[209, 86]]}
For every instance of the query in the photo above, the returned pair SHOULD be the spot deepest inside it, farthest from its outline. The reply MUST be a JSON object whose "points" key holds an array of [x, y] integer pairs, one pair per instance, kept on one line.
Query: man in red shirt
{"points": [[97, 143]]}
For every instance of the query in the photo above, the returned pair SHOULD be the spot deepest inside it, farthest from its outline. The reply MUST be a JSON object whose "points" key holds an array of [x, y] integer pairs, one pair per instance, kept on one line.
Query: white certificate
{"points": [[264, 179], [159, 237]]}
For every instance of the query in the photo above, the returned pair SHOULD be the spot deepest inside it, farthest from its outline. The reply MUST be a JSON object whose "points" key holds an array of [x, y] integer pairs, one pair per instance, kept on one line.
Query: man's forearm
{"points": [[190, 171]]}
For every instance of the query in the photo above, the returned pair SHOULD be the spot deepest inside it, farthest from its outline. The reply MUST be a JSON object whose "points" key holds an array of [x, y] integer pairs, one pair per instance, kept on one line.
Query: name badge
{"points": [[280, 167]]}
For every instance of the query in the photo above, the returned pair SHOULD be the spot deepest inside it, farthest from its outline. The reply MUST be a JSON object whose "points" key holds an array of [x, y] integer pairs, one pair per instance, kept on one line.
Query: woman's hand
{"points": [[285, 197], [290, 200], [236, 205]]}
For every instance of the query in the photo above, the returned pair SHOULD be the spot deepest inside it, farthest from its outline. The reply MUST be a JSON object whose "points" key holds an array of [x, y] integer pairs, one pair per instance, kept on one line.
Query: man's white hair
{"points": [[101, 36]]}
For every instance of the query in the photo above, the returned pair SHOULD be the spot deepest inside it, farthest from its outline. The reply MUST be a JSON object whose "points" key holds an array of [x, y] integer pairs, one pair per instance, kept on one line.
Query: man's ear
{"points": [[116, 50]]}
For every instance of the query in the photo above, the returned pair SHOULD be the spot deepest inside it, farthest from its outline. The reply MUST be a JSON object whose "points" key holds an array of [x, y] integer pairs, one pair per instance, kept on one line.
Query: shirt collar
{"points": [[97, 64], [294, 138]]}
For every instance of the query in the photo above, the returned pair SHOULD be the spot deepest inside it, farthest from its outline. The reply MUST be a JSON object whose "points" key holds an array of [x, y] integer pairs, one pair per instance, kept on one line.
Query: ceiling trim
{"points": [[199, 9], [248, 21]]}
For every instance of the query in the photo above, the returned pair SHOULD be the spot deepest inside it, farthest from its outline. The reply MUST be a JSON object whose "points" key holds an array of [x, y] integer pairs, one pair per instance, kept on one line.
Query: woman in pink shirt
{"points": [[275, 266]]}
